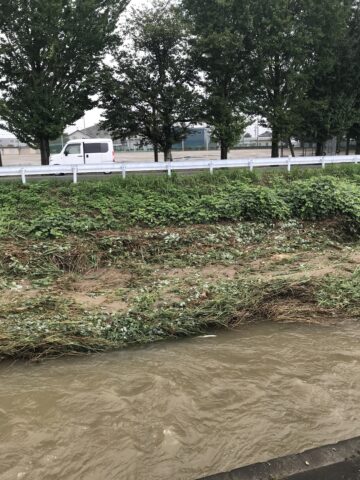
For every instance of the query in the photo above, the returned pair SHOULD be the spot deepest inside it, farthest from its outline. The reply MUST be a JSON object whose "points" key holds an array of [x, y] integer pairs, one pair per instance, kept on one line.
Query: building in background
{"points": [[91, 132], [11, 142], [262, 140], [95, 131], [199, 138]]}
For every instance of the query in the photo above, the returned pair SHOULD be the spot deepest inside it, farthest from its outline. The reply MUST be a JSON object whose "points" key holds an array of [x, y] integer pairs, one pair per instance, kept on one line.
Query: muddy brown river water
{"points": [[181, 410]]}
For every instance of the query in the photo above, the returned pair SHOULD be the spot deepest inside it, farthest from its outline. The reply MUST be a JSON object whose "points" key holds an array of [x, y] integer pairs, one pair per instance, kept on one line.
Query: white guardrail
{"points": [[211, 165]]}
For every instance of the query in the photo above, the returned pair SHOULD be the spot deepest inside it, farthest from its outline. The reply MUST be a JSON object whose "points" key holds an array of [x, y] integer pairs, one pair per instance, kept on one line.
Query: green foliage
{"points": [[45, 210], [350, 76], [220, 43], [149, 92], [291, 62], [55, 223], [296, 48], [325, 198], [341, 293], [50, 52]]}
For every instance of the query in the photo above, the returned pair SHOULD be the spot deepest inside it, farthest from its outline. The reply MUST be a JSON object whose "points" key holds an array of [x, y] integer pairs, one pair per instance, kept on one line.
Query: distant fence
{"points": [[170, 167]]}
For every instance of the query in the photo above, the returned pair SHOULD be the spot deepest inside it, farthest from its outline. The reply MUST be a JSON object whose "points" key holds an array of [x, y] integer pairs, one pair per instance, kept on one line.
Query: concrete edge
{"points": [[306, 462]]}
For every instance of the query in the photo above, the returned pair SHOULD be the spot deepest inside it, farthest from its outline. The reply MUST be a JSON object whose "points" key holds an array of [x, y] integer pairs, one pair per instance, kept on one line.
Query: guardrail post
{"points": [[289, 164], [211, 166], [169, 170], [23, 176], [356, 160], [251, 165], [323, 162], [123, 171], [75, 172]]}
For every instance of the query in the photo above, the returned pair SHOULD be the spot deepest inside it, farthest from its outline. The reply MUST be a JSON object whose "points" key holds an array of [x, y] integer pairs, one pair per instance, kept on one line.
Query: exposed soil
{"points": [[311, 265], [101, 289], [153, 290], [21, 290], [96, 290]]}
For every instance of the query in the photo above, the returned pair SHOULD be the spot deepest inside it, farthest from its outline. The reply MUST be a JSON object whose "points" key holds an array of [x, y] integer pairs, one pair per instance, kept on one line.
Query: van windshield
{"points": [[73, 149]]}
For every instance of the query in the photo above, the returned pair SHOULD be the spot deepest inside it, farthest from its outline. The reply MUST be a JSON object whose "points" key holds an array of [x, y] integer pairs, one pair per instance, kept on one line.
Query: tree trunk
{"points": [[45, 151], [357, 151], [338, 146], [319, 149], [156, 153], [224, 151], [291, 146], [275, 143], [0, 160], [167, 155], [347, 145]]}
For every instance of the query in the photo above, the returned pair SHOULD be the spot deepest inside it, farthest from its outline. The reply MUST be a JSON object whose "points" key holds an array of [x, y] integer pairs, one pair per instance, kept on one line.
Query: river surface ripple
{"points": [[181, 410]]}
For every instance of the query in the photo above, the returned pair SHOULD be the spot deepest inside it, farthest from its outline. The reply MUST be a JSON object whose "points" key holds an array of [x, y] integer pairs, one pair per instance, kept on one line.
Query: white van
{"points": [[85, 152]]}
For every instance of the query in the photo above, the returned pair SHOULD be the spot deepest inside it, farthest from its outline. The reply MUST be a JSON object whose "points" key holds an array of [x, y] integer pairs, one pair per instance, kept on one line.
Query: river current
{"points": [[181, 410]]}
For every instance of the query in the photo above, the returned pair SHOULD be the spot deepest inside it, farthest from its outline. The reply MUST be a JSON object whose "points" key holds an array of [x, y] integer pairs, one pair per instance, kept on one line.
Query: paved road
{"points": [[16, 159], [28, 159]]}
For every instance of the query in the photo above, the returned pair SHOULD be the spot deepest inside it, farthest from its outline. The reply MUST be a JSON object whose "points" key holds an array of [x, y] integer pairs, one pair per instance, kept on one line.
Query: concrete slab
{"points": [[340, 461]]}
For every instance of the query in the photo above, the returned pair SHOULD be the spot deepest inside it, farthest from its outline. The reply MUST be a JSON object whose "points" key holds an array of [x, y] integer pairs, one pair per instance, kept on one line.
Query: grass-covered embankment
{"points": [[53, 209], [105, 264]]}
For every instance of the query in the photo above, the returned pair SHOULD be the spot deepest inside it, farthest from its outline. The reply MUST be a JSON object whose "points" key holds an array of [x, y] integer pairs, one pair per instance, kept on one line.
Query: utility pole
{"points": [[257, 132]]}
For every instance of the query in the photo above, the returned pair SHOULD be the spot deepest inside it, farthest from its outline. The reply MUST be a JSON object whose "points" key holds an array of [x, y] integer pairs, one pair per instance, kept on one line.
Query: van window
{"points": [[96, 147], [73, 149]]}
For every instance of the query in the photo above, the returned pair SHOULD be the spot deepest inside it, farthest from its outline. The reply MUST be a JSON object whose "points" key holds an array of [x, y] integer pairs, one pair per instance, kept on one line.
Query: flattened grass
{"points": [[48, 327]]}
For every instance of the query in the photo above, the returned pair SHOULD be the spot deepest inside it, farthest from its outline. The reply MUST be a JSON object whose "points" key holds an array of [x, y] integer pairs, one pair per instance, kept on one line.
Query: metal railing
{"points": [[189, 165]]}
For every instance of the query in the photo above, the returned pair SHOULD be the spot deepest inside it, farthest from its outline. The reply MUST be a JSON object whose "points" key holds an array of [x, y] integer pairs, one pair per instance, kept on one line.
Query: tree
{"points": [[220, 31], [327, 109], [280, 45], [150, 90], [227, 122], [352, 69], [50, 52]]}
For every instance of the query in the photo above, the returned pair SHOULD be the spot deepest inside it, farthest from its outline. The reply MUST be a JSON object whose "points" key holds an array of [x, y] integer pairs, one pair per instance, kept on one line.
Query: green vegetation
{"points": [[50, 52], [51, 210], [49, 326], [154, 77], [293, 63], [102, 265]]}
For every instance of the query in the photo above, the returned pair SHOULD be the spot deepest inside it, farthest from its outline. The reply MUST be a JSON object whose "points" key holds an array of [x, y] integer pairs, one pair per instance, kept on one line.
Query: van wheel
{"points": [[58, 174]]}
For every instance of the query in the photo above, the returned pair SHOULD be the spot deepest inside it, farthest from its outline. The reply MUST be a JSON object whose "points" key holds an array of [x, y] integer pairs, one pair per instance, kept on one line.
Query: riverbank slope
{"points": [[103, 265]]}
